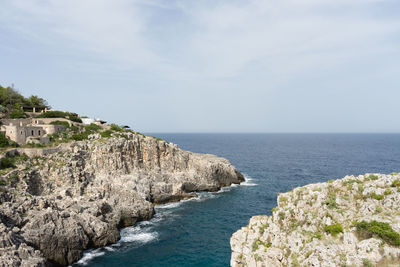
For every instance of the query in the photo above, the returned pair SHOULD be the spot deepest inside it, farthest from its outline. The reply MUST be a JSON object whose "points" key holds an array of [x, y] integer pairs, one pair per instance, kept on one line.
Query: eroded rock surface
{"points": [[54, 207], [315, 225]]}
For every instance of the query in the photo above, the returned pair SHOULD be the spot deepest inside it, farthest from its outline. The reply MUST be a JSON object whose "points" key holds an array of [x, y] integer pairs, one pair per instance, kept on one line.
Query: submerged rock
{"points": [[354, 221], [54, 207]]}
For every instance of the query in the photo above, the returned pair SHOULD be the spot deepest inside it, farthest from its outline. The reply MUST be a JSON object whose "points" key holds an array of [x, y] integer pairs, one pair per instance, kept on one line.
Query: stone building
{"points": [[32, 130]]}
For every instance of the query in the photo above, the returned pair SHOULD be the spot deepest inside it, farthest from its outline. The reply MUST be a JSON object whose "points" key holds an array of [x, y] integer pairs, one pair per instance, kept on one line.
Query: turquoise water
{"points": [[197, 232]]}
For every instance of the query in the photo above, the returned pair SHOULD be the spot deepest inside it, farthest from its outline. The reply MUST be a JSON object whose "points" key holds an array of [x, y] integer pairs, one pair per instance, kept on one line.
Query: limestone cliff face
{"points": [[321, 225], [54, 207]]}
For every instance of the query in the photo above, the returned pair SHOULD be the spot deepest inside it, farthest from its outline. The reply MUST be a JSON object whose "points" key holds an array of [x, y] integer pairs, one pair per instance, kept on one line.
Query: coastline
{"points": [[139, 234], [353, 221], [92, 189]]}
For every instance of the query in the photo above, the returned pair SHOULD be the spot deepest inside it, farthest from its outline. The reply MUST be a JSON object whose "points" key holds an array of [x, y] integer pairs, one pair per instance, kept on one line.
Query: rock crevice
{"points": [[319, 225], [56, 206]]}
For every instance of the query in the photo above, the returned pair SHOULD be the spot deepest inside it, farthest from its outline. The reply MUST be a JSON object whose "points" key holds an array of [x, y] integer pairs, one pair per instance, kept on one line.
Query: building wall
{"points": [[51, 129], [20, 122], [49, 120], [34, 130], [87, 121]]}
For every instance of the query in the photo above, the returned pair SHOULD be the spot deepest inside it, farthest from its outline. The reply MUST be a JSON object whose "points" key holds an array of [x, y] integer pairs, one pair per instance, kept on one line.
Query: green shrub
{"points": [[375, 196], [54, 114], [396, 183], [92, 127], [116, 128], [18, 114], [254, 246], [3, 140], [334, 229], [80, 136], [124, 136], [360, 188], [367, 263], [331, 201], [372, 177], [64, 123], [6, 162], [74, 118], [378, 229], [387, 192], [34, 145], [60, 114], [106, 134]]}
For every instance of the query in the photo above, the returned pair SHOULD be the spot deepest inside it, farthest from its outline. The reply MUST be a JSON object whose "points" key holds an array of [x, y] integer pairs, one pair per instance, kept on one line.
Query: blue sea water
{"points": [[197, 232]]}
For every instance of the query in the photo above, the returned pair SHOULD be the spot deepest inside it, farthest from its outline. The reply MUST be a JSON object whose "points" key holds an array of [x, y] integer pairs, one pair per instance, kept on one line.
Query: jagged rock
{"points": [[297, 233], [80, 197]]}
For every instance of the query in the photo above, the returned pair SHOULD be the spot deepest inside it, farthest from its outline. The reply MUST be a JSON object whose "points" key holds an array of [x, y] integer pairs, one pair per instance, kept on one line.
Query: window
{"points": [[21, 132], [39, 132], [33, 133]]}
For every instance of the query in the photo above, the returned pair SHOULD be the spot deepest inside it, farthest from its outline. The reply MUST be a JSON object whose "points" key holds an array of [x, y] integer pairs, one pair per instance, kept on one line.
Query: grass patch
{"points": [[331, 201], [334, 229], [387, 192], [378, 229], [92, 127], [106, 134], [396, 183], [116, 128], [352, 181], [372, 177], [367, 263], [376, 196], [258, 243]]}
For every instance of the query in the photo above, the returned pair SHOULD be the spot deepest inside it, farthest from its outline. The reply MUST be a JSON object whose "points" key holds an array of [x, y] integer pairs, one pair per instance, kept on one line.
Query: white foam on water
{"points": [[141, 232], [89, 255], [138, 235], [248, 181], [140, 238], [224, 189], [169, 205]]}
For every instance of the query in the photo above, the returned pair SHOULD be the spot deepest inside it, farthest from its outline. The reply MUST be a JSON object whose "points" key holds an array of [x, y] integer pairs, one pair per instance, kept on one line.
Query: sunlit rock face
{"points": [[319, 225], [54, 207]]}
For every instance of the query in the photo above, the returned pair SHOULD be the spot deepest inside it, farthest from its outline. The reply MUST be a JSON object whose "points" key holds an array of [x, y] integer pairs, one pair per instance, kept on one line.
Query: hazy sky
{"points": [[210, 65]]}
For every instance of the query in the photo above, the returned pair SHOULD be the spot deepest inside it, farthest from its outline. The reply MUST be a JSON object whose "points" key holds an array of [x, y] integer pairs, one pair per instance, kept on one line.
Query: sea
{"points": [[196, 232]]}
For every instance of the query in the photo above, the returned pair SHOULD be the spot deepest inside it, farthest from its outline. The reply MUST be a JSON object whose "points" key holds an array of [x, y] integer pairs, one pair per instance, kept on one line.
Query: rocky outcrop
{"points": [[354, 221], [54, 207]]}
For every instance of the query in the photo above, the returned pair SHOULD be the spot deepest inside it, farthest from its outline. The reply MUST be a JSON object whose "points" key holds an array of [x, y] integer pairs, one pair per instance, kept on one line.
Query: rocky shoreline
{"points": [[54, 207], [354, 221]]}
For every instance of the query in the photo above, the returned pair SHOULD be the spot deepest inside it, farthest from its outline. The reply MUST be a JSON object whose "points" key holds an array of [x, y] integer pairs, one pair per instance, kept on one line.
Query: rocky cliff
{"points": [[354, 221], [54, 207]]}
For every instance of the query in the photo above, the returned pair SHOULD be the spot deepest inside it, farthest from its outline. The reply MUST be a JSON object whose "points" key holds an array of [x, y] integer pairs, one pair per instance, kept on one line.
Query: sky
{"points": [[210, 65]]}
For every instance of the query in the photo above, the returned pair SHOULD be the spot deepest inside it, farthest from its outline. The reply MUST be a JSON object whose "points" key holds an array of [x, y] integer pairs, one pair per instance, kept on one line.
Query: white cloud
{"points": [[214, 38], [217, 60], [110, 30]]}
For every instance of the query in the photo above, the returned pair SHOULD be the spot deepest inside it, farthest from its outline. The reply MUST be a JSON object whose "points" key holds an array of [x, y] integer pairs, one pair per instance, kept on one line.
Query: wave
{"points": [[89, 255], [136, 234], [248, 181], [169, 205], [143, 232]]}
